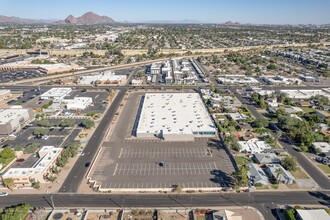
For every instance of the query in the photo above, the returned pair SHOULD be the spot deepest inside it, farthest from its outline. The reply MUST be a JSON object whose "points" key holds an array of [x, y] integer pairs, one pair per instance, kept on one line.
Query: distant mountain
{"points": [[230, 23], [16, 20], [88, 18], [185, 21]]}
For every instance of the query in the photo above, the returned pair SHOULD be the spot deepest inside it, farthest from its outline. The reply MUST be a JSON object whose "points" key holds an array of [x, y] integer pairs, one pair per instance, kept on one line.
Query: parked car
{"points": [[3, 194]]}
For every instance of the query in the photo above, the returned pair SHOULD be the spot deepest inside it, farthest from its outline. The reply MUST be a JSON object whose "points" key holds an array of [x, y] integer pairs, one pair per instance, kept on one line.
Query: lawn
{"points": [[299, 174], [325, 168], [241, 161], [308, 109]]}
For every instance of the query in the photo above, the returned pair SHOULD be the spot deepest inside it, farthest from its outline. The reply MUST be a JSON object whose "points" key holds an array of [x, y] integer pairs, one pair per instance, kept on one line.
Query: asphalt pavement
{"points": [[265, 202], [79, 170]]}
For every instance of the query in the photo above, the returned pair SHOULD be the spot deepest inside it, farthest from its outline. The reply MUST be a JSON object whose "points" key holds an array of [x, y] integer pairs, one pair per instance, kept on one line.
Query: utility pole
{"points": [[52, 201]]}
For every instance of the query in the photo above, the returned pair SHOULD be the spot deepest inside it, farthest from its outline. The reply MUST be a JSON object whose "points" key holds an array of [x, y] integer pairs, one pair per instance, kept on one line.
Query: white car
{"points": [[3, 194]]}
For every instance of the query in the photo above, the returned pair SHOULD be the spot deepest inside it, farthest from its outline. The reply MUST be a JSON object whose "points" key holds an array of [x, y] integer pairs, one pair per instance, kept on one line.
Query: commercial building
{"points": [[56, 93], [312, 214], [13, 118], [155, 68], [237, 80], [107, 77], [136, 82], [4, 94], [257, 175], [276, 171], [253, 146], [281, 80], [78, 103], [183, 72], [38, 172], [45, 68], [174, 116], [306, 94]]}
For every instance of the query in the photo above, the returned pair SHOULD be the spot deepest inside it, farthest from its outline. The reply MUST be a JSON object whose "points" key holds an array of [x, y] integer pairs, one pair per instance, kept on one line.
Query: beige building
{"points": [[38, 172]]}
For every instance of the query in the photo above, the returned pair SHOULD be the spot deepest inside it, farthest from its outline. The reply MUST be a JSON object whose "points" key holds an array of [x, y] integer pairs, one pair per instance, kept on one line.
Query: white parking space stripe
{"points": [[114, 172]]}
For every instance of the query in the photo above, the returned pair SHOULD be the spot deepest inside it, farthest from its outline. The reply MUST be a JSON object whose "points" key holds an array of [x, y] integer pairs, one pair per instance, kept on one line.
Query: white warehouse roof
{"points": [[56, 93], [7, 115], [174, 113]]}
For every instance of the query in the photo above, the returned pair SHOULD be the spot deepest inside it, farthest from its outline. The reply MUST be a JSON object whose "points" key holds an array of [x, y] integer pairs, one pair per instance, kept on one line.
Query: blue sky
{"points": [[244, 11]]}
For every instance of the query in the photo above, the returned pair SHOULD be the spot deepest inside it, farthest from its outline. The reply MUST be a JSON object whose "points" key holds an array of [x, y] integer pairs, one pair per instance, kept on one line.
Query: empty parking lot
{"points": [[128, 162]]}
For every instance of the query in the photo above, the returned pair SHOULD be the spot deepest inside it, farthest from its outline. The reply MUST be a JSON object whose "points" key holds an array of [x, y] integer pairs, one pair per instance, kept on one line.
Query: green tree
{"points": [[262, 103], [18, 212], [260, 123], [67, 122], [87, 123], [44, 123], [30, 149], [232, 142], [272, 66], [52, 178], [18, 148], [9, 183], [278, 136], [289, 163], [289, 214], [35, 184], [240, 177], [7, 153], [40, 132]]}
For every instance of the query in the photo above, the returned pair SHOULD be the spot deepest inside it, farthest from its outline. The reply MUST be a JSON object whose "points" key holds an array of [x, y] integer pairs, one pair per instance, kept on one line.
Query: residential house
{"points": [[266, 158], [276, 171], [256, 174], [312, 214]]}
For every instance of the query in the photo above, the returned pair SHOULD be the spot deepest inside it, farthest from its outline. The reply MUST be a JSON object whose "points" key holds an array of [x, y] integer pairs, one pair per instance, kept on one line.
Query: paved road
{"points": [[161, 86], [79, 170], [264, 201], [322, 180]]}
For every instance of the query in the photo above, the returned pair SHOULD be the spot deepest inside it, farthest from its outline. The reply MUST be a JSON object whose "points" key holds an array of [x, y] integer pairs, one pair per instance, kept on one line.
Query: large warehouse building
{"points": [[11, 119], [174, 117]]}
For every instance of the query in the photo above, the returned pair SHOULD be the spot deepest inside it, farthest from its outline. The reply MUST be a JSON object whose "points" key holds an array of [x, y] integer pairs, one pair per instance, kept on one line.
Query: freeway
{"points": [[263, 201], [322, 180], [79, 170]]}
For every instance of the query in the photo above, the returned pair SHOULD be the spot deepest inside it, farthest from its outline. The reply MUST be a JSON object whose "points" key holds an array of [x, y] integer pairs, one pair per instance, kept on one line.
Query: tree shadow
{"points": [[322, 196], [216, 144], [221, 178]]}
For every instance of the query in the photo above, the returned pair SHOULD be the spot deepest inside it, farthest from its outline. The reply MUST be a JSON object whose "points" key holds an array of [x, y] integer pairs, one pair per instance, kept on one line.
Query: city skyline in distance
{"points": [[146, 11]]}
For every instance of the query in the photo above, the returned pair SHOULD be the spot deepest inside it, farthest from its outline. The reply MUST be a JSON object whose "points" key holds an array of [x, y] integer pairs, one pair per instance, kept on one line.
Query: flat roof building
{"points": [[13, 118], [305, 94], [56, 93], [237, 80], [312, 214], [107, 77], [78, 103], [4, 94], [174, 116], [253, 146], [39, 171]]}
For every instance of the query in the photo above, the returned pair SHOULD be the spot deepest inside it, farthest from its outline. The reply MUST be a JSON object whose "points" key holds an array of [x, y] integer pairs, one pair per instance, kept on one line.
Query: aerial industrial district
{"points": [[239, 132]]}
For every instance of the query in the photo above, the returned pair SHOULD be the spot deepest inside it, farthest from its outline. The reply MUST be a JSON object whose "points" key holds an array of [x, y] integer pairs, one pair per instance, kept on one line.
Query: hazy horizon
{"points": [[211, 11]]}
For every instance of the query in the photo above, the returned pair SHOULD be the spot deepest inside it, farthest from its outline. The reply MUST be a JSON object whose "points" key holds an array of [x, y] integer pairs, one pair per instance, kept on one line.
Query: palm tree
{"points": [[278, 172], [278, 136]]}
